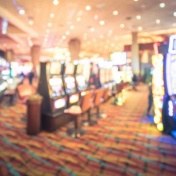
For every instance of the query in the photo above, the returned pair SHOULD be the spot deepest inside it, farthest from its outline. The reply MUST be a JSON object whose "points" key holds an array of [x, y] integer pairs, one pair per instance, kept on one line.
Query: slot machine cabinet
{"points": [[70, 84], [51, 88], [81, 81], [169, 104], [158, 89]]}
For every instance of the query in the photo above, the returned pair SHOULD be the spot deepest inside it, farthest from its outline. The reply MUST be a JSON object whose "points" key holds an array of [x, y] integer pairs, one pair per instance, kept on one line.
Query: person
{"points": [[134, 81], [31, 76], [150, 100]]}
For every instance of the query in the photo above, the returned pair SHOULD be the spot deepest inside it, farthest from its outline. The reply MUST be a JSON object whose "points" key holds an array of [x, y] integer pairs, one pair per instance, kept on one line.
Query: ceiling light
{"points": [[122, 25], [139, 28], [158, 21], [63, 37], [78, 19], [95, 17], [47, 31], [174, 14], [102, 22], [138, 17], [55, 2], [67, 33], [162, 5], [21, 11], [31, 22], [72, 27], [92, 29], [115, 12], [49, 24], [52, 15], [88, 7], [136, 0]]}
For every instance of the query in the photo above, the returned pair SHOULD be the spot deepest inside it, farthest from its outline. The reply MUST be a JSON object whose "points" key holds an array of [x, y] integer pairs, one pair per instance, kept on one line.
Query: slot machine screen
{"points": [[70, 85], [56, 87], [79, 69], [55, 68], [69, 69], [172, 44], [171, 74], [102, 76], [81, 82]]}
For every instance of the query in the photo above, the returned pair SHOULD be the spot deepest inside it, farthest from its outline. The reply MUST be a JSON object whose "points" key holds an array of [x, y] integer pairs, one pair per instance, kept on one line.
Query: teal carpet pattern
{"points": [[125, 143]]}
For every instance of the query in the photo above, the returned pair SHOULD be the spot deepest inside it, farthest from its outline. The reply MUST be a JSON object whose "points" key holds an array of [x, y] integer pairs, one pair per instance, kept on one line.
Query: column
{"points": [[135, 53], [35, 57], [74, 46]]}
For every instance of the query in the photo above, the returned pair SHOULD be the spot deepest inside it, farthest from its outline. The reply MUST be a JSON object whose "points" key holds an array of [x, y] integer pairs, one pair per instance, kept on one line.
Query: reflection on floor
{"points": [[125, 143]]}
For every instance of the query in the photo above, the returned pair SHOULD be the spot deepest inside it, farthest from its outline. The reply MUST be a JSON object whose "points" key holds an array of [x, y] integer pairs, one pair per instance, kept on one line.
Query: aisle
{"points": [[123, 144]]}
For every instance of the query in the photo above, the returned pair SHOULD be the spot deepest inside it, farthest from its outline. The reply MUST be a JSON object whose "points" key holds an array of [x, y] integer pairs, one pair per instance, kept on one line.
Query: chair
{"points": [[25, 91], [98, 99], [77, 111]]}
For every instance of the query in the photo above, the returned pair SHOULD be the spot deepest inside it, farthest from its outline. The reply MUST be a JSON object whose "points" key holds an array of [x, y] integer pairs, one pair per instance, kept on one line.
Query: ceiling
{"points": [[99, 30]]}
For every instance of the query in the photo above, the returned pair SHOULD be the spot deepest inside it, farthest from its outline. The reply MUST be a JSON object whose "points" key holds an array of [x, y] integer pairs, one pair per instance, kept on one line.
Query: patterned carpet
{"points": [[123, 144]]}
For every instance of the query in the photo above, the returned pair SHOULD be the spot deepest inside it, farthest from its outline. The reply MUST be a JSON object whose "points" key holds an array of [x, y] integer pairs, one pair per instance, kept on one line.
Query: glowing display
{"points": [[55, 68], [56, 87], [70, 84], [73, 99], [170, 108], [118, 58], [60, 103], [158, 88], [81, 82], [172, 44], [171, 74]]}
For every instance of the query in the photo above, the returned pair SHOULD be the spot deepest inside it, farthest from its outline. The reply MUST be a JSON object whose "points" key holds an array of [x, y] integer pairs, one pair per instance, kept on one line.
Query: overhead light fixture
{"points": [[21, 11], [52, 15], [95, 17], [122, 25], [72, 27], [162, 5], [92, 29], [31, 22], [55, 2], [88, 7], [158, 21], [174, 14], [115, 12], [101, 22], [67, 33], [140, 28], [78, 19], [49, 24], [138, 17]]}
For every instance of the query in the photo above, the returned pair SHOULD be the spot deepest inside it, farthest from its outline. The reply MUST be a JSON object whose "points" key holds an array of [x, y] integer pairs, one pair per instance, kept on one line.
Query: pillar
{"points": [[135, 53], [74, 46], [35, 57]]}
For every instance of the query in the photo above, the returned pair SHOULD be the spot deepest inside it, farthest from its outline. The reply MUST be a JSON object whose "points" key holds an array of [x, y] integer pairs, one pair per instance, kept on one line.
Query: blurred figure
{"points": [[31, 76], [150, 99], [134, 81]]}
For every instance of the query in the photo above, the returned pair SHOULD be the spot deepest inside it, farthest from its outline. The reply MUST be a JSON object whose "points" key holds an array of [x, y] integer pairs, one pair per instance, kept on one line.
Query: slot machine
{"points": [[70, 84], [4, 75], [82, 75], [169, 102], [51, 88], [94, 80], [158, 89]]}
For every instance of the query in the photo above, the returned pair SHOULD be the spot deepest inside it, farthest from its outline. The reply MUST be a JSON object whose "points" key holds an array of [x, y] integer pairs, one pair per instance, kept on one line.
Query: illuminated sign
{"points": [[73, 99], [60, 103], [172, 44], [118, 58]]}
